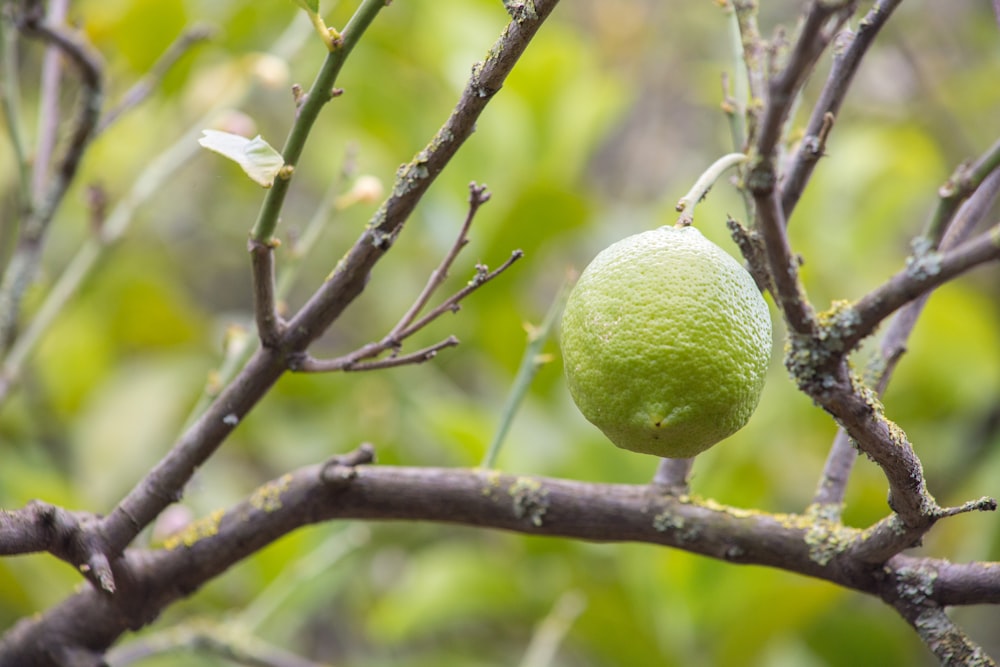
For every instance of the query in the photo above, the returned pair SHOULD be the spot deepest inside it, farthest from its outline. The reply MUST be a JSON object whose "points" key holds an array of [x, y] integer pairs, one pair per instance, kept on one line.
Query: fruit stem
{"points": [[686, 204]]}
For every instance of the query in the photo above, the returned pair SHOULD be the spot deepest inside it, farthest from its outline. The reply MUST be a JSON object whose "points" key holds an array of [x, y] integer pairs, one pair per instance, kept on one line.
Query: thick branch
{"points": [[165, 483], [833, 482], [341, 489]]}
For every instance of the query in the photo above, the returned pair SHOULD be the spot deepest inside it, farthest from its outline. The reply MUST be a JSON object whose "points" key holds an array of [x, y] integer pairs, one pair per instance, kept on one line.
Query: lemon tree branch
{"points": [[166, 480], [89, 66], [847, 58], [347, 487]]}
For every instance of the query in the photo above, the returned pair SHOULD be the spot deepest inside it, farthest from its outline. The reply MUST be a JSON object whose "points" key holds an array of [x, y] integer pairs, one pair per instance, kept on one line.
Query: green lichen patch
{"points": [[267, 498], [916, 584], [531, 500], [809, 359], [668, 522], [925, 262], [197, 530], [492, 483], [827, 539]]}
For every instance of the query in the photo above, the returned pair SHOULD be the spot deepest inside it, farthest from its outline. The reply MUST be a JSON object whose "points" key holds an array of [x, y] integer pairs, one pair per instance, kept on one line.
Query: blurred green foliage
{"points": [[607, 120]]}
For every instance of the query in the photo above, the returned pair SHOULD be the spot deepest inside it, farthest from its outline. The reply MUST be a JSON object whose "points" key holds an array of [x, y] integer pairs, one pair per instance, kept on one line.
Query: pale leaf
{"points": [[257, 157]]}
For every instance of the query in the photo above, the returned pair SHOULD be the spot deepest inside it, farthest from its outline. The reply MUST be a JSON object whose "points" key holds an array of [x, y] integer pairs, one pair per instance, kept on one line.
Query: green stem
{"points": [[530, 363], [704, 183], [320, 93]]}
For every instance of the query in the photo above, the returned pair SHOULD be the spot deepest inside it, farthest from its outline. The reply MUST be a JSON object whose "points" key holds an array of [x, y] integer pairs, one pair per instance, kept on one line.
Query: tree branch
{"points": [[346, 487], [922, 276], [478, 195], [846, 61], [270, 325], [414, 178], [814, 36], [166, 481], [20, 271], [833, 482], [964, 182], [349, 363]]}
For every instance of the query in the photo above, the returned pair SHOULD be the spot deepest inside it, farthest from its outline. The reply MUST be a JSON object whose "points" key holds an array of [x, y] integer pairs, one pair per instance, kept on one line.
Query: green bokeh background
{"points": [[606, 122]]}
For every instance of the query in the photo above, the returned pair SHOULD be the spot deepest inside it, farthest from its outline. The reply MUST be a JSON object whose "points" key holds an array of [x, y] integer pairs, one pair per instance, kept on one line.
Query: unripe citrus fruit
{"points": [[666, 340]]}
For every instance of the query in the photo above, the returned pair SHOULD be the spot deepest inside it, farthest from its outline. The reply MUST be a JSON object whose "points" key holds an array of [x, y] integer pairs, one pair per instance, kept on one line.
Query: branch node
{"points": [[341, 468]]}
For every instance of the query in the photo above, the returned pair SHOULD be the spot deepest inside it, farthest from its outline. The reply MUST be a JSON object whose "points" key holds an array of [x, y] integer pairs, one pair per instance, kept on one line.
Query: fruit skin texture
{"points": [[666, 341]]}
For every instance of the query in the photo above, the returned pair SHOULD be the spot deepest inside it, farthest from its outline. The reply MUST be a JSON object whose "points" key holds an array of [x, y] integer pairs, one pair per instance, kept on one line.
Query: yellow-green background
{"points": [[605, 123]]}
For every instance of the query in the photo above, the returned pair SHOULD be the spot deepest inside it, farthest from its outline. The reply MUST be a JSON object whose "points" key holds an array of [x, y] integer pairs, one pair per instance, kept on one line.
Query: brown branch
{"points": [[783, 264], [920, 277], [833, 481], [21, 269], [816, 33], [846, 62], [963, 183], [166, 481], [346, 488], [478, 195], [948, 642], [414, 178], [350, 363], [69, 536], [270, 325]]}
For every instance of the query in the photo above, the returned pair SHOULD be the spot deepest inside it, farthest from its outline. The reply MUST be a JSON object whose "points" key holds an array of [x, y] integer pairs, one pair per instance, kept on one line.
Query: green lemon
{"points": [[666, 341]]}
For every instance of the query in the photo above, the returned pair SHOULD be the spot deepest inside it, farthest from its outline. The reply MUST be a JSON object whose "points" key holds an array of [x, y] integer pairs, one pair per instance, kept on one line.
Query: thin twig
{"points": [[478, 195], [142, 88], [933, 270], [354, 361], [48, 104], [753, 50], [814, 36], [351, 362], [551, 631], [450, 305], [965, 180], [846, 62], [20, 271], [10, 103]]}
